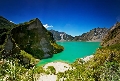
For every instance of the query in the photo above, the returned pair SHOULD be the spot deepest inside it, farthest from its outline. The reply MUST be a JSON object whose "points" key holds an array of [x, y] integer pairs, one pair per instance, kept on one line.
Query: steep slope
{"points": [[95, 34], [4, 23], [57, 35], [31, 37], [21, 47], [5, 26], [113, 36]]}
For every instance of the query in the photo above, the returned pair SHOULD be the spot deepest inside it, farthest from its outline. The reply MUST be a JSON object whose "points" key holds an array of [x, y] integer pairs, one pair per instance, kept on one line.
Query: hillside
{"points": [[104, 66], [5, 26], [113, 36], [4, 23], [58, 36], [36, 39], [32, 37], [21, 47], [95, 34]]}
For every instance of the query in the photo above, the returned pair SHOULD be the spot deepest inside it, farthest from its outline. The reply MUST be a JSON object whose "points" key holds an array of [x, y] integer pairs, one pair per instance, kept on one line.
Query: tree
{"points": [[51, 69]]}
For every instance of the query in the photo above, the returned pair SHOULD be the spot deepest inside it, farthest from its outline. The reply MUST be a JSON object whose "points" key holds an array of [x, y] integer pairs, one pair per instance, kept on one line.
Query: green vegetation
{"points": [[113, 33], [51, 69], [29, 57], [104, 66], [5, 27], [11, 70], [19, 65], [114, 47], [30, 40], [20, 50], [113, 36], [4, 23], [32, 33], [57, 48]]}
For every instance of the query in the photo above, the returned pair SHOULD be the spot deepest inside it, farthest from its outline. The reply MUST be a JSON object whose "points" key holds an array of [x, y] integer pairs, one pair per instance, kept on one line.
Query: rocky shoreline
{"points": [[87, 58]]}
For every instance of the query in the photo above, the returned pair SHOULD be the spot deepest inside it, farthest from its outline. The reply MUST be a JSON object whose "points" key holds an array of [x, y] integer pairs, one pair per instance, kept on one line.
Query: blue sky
{"points": [[71, 16]]}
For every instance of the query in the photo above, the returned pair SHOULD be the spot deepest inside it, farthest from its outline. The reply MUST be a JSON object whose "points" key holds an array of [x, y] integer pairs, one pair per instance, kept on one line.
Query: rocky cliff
{"points": [[113, 36], [58, 36], [31, 37], [95, 34]]}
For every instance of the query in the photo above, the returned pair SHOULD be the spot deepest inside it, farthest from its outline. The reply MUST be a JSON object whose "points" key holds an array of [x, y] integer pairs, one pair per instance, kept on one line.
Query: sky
{"points": [[71, 16]]}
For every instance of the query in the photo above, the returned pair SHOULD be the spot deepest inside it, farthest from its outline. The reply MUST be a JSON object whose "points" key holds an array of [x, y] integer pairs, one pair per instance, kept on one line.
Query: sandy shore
{"points": [[45, 77], [59, 67]]}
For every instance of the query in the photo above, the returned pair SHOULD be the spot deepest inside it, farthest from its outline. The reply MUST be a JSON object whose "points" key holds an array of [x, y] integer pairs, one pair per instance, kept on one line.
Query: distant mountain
{"points": [[61, 36], [113, 36], [95, 34]]}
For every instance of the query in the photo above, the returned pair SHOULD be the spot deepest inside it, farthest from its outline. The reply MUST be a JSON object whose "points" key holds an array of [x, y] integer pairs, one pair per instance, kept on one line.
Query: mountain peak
{"points": [[95, 34], [30, 36]]}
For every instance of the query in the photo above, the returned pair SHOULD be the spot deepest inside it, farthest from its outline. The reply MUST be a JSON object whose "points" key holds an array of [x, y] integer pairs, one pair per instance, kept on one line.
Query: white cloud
{"points": [[11, 21], [46, 26]]}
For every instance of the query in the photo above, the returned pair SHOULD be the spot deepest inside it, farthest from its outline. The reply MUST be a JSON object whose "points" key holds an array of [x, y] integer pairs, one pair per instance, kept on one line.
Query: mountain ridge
{"points": [[95, 34], [113, 36], [105, 63], [61, 36], [28, 36]]}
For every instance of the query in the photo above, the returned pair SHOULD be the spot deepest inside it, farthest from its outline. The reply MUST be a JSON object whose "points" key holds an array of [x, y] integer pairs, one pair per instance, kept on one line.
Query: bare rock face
{"points": [[95, 34], [57, 36], [113, 36], [44, 44], [9, 44], [31, 37]]}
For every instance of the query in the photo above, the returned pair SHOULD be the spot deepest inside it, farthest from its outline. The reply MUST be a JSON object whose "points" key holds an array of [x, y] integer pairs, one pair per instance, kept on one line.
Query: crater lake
{"points": [[72, 51]]}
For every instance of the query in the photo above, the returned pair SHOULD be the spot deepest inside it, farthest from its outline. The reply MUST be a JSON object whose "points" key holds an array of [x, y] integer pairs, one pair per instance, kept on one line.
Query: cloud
{"points": [[46, 26], [11, 21]]}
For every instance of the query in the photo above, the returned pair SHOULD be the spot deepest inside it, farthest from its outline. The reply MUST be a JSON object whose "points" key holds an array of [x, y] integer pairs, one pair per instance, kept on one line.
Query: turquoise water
{"points": [[72, 51]]}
